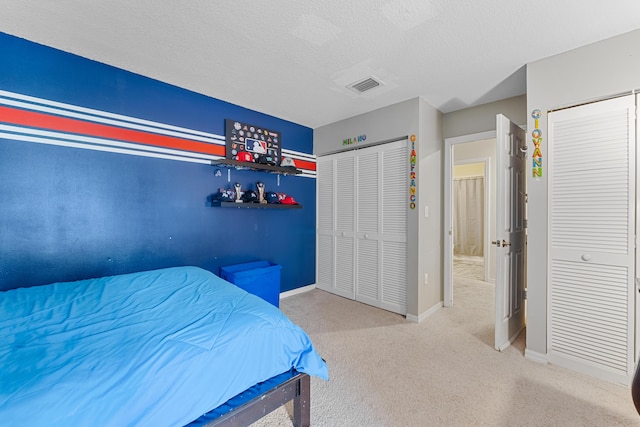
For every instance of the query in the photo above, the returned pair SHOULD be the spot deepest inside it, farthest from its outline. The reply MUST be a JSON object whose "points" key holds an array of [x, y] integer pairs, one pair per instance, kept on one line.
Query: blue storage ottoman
{"points": [[261, 278]]}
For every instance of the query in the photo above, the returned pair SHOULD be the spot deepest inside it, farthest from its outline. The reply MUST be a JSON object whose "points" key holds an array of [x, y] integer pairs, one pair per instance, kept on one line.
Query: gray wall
{"points": [[599, 70], [483, 117], [430, 245], [412, 117], [388, 123], [602, 69]]}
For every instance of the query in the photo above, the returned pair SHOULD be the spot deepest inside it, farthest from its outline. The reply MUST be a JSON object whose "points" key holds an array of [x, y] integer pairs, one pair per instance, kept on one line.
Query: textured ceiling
{"points": [[293, 59]]}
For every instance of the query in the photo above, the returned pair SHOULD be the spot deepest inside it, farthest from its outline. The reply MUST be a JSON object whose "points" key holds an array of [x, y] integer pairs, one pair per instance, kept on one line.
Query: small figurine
{"points": [[260, 186], [238, 187]]}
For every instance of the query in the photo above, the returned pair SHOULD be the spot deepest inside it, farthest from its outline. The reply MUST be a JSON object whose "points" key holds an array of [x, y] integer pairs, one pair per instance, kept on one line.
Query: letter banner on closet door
{"points": [[412, 174]]}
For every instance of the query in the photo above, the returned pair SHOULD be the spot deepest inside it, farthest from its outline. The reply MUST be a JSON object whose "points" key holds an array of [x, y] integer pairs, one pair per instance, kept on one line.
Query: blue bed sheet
{"points": [[157, 348]]}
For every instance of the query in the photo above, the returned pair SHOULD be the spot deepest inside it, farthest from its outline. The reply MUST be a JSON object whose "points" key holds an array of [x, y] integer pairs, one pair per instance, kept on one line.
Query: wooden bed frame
{"points": [[297, 388]]}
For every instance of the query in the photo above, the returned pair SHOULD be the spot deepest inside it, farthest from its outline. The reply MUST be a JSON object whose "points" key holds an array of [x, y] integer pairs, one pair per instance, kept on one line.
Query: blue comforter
{"points": [[157, 348]]}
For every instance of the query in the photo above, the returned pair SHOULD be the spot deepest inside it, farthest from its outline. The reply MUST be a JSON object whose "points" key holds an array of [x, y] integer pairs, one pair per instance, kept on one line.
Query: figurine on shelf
{"points": [[224, 195], [238, 189], [260, 186]]}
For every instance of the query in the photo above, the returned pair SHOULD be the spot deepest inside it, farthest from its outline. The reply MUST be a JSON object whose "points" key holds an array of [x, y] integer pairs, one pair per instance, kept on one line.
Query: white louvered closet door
{"points": [[381, 218], [368, 234], [325, 223], [345, 224], [591, 238], [364, 193], [394, 220]]}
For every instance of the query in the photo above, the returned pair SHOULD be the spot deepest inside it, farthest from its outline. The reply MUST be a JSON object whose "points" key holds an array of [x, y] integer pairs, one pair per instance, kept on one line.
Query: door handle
{"points": [[496, 242], [505, 244]]}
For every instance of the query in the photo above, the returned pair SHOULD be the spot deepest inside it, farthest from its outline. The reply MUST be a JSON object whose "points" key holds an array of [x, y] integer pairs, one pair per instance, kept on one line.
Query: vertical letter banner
{"points": [[412, 173], [536, 135]]}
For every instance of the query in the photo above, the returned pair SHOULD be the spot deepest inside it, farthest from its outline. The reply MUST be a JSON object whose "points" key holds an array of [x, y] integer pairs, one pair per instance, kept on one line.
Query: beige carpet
{"points": [[385, 371], [471, 267]]}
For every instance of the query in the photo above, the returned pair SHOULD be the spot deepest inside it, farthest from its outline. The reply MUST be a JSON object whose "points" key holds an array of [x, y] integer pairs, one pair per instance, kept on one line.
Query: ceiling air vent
{"points": [[365, 85]]}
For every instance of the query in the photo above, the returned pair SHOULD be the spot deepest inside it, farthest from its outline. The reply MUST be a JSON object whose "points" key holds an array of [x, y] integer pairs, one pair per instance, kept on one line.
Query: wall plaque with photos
{"points": [[250, 143]]}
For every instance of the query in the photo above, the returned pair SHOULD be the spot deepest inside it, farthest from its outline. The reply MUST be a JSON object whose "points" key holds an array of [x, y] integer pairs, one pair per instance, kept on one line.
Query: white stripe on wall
{"points": [[98, 116], [108, 145], [63, 143], [100, 141]]}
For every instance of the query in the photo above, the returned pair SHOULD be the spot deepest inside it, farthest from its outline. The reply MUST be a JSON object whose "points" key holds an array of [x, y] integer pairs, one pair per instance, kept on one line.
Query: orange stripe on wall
{"points": [[303, 164], [63, 124]]}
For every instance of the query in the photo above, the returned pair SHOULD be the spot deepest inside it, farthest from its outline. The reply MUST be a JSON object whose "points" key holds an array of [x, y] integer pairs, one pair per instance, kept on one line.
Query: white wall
{"points": [[599, 70]]}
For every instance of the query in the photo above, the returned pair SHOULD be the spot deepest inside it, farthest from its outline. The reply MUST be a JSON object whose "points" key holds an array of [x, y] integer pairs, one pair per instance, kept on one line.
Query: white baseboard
{"points": [[535, 356], [297, 291], [592, 369], [425, 314]]}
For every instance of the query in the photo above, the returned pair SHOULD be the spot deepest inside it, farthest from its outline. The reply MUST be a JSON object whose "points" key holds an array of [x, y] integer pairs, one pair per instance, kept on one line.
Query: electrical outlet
{"points": [[426, 278]]}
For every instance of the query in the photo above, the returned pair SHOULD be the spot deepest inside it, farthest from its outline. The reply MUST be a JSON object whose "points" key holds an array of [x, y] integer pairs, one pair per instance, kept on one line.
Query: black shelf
{"points": [[256, 166], [254, 205]]}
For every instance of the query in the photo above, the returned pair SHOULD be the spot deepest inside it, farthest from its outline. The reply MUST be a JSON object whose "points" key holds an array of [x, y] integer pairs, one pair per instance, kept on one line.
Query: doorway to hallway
{"points": [[471, 216], [505, 256]]}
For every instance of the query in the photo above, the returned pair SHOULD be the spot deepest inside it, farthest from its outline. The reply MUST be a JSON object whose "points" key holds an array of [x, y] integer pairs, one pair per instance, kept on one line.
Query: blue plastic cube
{"points": [[261, 278]]}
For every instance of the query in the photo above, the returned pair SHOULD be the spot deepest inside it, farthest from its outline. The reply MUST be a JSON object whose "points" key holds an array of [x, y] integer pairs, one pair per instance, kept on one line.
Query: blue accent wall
{"points": [[70, 213]]}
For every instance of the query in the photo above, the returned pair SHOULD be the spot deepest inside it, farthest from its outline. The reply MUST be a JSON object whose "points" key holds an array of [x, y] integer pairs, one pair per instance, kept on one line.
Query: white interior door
{"points": [[510, 232], [592, 238]]}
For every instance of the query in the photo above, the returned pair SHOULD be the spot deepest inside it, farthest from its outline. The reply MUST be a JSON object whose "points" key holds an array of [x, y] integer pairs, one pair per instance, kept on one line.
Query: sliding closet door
{"points": [[591, 238]]}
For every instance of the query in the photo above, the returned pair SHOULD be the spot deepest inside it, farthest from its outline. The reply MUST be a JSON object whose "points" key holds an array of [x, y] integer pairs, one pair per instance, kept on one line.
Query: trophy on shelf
{"points": [[238, 189], [260, 187]]}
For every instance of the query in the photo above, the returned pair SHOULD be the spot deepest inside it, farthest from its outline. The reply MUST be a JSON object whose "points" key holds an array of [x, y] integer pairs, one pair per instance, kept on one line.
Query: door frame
{"points": [[447, 231], [636, 282]]}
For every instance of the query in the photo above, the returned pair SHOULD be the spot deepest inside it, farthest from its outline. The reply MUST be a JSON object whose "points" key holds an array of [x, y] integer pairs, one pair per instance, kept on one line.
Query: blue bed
{"points": [[156, 348]]}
